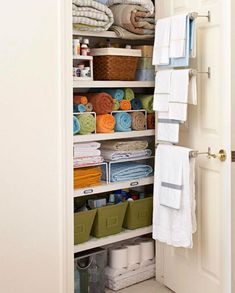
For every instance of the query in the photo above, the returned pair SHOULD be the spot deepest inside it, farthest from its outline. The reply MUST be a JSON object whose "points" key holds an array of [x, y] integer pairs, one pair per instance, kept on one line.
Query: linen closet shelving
{"points": [[83, 86]]}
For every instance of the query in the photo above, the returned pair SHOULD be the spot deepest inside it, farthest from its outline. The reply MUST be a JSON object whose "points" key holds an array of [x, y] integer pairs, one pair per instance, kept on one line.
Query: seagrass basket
{"points": [[115, 63]]}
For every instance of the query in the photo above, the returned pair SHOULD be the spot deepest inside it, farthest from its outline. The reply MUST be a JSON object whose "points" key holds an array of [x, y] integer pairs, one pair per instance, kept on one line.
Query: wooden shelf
{"points": [[124, 235], [106, 187], [115, 135], [105, 34], [112, 84], [81, 57]]}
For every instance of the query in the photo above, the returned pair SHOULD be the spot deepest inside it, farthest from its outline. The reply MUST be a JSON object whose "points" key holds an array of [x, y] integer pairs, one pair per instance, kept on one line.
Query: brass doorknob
{"points": [[222, 156]]}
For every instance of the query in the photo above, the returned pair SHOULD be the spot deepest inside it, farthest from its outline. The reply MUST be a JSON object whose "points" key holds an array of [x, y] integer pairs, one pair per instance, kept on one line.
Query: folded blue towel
{"points": [[136, 104], [184, 62], [123, 122], [79, 108], [76, 125], [129, 170], [117, 94]]}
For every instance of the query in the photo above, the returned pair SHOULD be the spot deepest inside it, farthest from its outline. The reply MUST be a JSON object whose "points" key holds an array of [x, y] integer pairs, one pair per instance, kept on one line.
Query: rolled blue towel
{"points": [[117, 94], [123, 122], [129, 170], [79, 108], [76, 125], [136, 104]]}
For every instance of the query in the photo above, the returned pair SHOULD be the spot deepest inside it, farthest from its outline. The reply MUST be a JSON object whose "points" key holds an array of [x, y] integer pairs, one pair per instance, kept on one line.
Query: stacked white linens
{"points": [[86, 154]]}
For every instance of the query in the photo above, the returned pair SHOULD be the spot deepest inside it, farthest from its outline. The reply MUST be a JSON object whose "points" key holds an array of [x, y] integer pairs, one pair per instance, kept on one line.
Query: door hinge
{"points": [[233, 156]]}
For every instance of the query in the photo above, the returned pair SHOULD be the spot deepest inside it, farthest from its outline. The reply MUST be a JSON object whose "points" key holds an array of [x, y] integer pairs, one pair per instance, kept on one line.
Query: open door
{"points": [[206, 268]]}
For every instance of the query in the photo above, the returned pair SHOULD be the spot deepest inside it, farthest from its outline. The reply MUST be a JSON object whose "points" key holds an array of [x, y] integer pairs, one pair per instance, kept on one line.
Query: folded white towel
{"points": [[125, 155], [161, 102], [87, 145], [162, 90], [168, 130], [86, 153], [162, 42], [178, 111], [174, 219], [163, 81], [180, 86], [192, 95], [178, 36]]}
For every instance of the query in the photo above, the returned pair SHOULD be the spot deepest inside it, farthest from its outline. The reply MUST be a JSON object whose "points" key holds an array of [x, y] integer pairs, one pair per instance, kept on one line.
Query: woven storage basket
{"points": [[115, 64]]}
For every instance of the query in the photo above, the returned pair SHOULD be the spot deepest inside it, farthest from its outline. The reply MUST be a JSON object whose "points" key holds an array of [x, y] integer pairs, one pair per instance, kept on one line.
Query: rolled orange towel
{"points": [[102, 102], [125, 105], [77, 99], [105, 123]]}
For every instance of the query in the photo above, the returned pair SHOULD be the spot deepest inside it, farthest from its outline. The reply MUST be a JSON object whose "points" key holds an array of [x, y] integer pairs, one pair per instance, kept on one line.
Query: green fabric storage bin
{"points": [[109, 220], [83, 222], [139, 213]]}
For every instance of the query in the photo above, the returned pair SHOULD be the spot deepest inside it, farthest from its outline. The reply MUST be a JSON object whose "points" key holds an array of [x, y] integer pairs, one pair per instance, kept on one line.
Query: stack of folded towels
{"points": [[86, 154], [88, 176], [89, 15], [125, 150], [133, 19]]}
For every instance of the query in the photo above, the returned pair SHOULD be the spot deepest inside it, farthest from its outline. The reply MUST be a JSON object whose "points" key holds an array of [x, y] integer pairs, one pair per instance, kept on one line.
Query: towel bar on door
{"points": [[222, 156], [194, 15], [194, 72]]}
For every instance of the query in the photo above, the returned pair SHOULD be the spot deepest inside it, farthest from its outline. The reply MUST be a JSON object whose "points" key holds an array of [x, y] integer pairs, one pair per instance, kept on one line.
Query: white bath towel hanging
{"points": [[162, 42], [178, 38], [174, 219]]}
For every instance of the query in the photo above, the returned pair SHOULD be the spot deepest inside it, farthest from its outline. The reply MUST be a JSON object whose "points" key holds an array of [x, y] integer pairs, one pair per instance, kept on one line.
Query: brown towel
{"points": [[102, 103], [138, 121], [151, 121]]}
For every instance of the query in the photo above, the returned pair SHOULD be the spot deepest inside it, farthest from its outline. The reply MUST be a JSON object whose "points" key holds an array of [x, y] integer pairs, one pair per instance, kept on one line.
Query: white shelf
{"points": [[111, 136], [105, 34], [81, 57], [98, 242], [112, 84], [106, 187]]}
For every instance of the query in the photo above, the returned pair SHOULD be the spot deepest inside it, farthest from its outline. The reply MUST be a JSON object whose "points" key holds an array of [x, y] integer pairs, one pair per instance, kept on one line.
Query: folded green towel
{"points": [[87, 123], [129, 94], [147, 102], [116, 105]]}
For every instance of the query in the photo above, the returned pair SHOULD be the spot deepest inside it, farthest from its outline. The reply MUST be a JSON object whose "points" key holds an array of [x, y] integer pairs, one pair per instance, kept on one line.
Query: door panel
{"points": [[203, 269]]}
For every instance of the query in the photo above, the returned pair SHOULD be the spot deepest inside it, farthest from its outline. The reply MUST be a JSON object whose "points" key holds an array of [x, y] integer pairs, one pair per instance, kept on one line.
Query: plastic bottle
{"points": [[87, 42], [76, 47]]}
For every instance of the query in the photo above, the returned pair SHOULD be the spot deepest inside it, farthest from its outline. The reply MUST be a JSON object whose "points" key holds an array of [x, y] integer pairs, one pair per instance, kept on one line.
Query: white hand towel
{"points": [[180, 86], [178, 39], [161, 102], [162, 42], [174, 226], [178, 111], [162, 90], [192, 96], [163, 81], [168, 130]]}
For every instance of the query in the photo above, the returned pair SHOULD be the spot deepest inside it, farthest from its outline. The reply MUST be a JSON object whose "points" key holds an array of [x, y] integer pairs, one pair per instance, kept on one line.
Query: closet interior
{"points": [[113, 162]]}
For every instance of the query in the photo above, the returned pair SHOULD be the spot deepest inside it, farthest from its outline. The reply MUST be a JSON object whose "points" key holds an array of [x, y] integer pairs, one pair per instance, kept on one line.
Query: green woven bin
{"points": [[83, 222], [139, 213], [109, 220]]}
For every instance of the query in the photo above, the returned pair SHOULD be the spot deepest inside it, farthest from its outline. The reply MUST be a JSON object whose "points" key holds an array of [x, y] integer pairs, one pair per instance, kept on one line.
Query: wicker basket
{"points": [[115, 64]]}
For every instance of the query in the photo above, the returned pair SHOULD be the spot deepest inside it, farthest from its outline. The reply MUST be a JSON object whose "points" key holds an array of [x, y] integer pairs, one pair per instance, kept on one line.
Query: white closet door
{"points": [[206, 268]]}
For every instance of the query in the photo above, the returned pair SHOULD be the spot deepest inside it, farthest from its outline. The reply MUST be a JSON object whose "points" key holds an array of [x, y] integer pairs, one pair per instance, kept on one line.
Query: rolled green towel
{"points": [[129, 94], [147, 102], [116, 105], [87, 123]]}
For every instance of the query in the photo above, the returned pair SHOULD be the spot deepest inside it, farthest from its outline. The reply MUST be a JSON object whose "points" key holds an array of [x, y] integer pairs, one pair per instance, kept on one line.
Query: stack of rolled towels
{"points": [[119, 101], [86, 154]]}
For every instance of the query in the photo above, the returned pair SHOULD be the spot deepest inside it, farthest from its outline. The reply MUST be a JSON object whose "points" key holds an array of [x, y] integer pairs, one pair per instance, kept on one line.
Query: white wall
{"points": [[31, 165]]}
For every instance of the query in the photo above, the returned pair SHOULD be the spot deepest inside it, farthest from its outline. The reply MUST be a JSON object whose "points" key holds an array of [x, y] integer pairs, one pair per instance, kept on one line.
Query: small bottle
{"points": [[76, 47], [86, 42]]}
